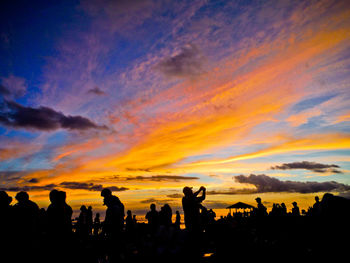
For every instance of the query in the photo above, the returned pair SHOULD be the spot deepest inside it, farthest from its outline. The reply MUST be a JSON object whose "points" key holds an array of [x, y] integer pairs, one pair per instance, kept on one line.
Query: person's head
{"points": [[106, 192], [187, 191], [53, 195], [153, 207], [83, 208], [294, 203], [317, 198], [90, 208], [5, 199], [97, 215], [61, 196], [258, 200], [177, 212], [22, 196], [128, 213]]}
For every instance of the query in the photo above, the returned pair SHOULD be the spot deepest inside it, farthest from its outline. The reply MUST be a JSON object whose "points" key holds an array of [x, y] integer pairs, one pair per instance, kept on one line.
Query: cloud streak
{"points": [[313, 166], [65, 185], [160, 178]]}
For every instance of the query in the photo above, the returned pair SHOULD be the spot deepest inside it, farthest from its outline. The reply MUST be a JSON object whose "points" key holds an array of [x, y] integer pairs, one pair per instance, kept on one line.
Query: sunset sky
{"points": [[247, 98]]}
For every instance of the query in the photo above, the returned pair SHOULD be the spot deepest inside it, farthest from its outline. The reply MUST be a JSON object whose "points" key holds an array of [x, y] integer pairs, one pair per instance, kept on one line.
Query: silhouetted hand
{"points": [[202, 188]]}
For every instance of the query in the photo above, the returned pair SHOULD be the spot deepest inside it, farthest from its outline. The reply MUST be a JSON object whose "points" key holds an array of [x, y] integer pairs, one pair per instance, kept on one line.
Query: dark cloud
{"points": [[158, 178], [188, 63], [90, 186], [29, 188], [312, 166], [96, 91], [158, 202], [4, 91], [65, 185], [148, 201], [264, 184], [33, 181], [175, 196], [43, 118], [232, 191]]}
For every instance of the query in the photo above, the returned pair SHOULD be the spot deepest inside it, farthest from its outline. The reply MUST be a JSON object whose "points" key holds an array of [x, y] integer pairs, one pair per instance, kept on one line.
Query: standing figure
{"points": [[261, 210], [295, 209], [97, 224], [191, 205], [153, 218], [178, 220], [114, 220]]}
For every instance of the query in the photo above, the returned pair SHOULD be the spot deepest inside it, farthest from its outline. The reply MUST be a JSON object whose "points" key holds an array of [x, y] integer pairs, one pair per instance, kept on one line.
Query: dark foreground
{"points": [[248, 239]]}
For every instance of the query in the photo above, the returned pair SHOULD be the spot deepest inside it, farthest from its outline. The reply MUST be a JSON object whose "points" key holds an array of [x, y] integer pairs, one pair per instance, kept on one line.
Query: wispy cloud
{"points": [[188, 63], [96, 91]]}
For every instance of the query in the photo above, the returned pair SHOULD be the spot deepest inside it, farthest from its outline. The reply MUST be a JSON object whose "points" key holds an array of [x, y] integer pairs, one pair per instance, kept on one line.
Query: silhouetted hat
{"points": [[187, 190]]}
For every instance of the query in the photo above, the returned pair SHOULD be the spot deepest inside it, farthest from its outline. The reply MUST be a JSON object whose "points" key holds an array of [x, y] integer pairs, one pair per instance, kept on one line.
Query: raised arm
{"points": [[201, 198]]}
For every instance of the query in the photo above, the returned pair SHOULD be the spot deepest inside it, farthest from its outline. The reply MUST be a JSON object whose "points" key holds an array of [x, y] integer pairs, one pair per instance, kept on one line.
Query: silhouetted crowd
{"points": [[33, 234]]}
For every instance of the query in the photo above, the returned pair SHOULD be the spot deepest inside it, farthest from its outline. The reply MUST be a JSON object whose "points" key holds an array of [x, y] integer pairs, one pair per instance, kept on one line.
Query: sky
{"points": [[246, 98]]}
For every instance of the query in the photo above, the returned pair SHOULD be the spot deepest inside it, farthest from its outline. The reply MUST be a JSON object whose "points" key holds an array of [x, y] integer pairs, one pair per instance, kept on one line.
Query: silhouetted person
{"points": [[134, 220], [89, 219], [177, 220], [6, 215], [114, 219], [165, 215], [26, 214], [59, 215], [261, 210], [97, 224], [152, 217], [211, 216], [283, 209], [82, 224], [191, 204], [316, 208], [129, 222], [295, 209]]}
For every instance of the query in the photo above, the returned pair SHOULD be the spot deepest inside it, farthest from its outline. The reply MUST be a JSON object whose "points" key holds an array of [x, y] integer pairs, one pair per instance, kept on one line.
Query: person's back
{"points": [[129, 222], [114, 220], [295, 209], [6, 214], [165, 215], [26, 214], [178, 220], [97, 224], [59, 215], [261, 210], [152, 216]]}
